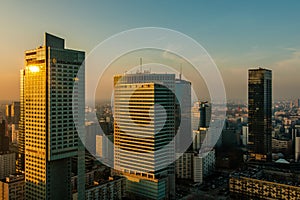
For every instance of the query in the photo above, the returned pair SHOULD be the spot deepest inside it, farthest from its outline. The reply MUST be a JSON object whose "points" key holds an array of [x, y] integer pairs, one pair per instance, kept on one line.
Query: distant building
{"points": [[203, 165], [244, 135], [7, 164], [113, 189], [103, 149], [230, 138], [282, 145], [12, 187], [14, 134], [264, 184], [4, 139], [184, 166], [91, 130], [13, 113], [260, 114], [183, 124], [199, 137], [205, 115]]}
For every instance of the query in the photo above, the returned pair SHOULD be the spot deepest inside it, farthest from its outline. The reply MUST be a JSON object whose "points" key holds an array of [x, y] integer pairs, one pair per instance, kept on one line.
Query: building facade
{"points": [[184, 166], [260, 114], [144, 126], [203, 165], [183, 122], [47, 106], [252, 188], [4, 139], [12, 188], [7, 164]]}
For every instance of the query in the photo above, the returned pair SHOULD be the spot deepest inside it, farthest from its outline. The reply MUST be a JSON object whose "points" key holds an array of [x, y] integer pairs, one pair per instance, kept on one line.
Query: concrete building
{"points": [[264, 184], [91, 131], [184, 166], [205, 115], [260, 114], [103, 149], [7, 164], [12, 112], [282, 146], [244, 135], [113, 189], [50, 75], [144, 126], [13, 188], [203, 165]]}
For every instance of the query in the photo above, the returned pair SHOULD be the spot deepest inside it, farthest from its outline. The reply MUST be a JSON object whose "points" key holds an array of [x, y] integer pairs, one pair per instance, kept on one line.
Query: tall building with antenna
{"points": [[48, 125], [144, 127]]}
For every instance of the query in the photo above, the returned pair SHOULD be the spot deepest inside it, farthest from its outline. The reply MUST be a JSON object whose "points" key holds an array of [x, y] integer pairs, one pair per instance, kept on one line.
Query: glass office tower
{"points": [[260, 114]]}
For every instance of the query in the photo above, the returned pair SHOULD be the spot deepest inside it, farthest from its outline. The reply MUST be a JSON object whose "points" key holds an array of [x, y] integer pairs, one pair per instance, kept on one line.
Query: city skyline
{"points": [[250, 35], [149, 100]]}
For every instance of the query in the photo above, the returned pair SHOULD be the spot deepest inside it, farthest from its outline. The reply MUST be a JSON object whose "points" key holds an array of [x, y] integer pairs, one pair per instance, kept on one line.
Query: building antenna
{"points": [[180, 71], [141, 64]]}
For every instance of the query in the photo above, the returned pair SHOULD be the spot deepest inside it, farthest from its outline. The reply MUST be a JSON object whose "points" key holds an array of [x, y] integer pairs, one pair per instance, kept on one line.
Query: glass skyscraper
{"points": [[47, 123], [260, 114]]}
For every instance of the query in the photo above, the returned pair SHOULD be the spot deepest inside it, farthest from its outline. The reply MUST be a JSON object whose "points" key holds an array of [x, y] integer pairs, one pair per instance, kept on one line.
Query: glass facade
{"points": [[260, 114]]}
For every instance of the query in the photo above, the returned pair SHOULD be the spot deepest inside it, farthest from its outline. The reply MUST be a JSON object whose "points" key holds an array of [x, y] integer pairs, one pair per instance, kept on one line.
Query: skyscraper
{"points": [[205, 113], [183, 123], [144, 126], [4, 139], [260, 114], [20, 161], [50, 136]]}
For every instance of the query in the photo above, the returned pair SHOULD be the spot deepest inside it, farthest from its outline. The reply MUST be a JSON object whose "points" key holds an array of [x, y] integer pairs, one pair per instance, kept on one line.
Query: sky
{"points": [[238, 35]]}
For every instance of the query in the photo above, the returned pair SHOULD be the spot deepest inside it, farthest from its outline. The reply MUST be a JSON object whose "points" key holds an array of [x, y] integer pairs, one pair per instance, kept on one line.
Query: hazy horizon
{"points": [[238, 36]]}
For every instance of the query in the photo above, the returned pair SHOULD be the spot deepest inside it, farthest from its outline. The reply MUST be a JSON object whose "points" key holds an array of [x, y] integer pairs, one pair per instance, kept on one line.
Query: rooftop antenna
{"points": [[141, 64], [180, 72]]}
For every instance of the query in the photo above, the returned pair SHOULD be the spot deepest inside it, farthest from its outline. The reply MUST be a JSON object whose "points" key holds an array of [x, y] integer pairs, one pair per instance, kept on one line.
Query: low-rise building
{"points": [[264, 184], [12, 187], [112, 189]]}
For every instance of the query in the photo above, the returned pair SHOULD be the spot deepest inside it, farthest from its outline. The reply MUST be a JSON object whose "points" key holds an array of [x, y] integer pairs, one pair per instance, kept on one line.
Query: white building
{"points": [[144, 116], [245, 135], [203, 166]]}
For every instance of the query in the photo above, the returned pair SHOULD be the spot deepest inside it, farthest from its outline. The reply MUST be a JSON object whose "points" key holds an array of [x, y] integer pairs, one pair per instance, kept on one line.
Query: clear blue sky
{"points": [[237, 34]]}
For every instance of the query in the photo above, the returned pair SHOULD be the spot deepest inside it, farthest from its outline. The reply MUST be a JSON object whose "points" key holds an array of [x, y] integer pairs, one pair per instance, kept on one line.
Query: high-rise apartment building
{"points": [[260, 114], [50, 136], [144, 126]]}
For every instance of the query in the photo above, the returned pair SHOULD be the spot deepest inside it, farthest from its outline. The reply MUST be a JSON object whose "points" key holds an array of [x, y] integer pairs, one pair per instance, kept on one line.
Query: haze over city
{"points": [[237, 35]]}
